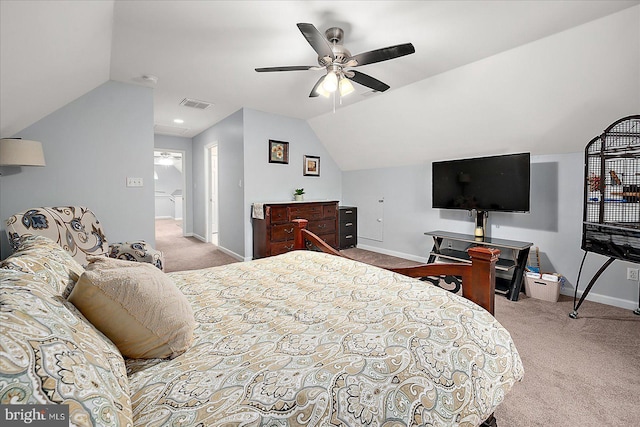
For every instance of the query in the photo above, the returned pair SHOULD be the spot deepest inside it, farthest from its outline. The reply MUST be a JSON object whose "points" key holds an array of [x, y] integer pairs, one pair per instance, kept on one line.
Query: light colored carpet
{"points": [[186, 253], [578, 372]]}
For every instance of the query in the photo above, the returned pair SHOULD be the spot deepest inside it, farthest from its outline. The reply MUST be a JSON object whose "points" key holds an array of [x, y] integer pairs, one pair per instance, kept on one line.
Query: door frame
{"points": [[183, 155], [207, 191]]}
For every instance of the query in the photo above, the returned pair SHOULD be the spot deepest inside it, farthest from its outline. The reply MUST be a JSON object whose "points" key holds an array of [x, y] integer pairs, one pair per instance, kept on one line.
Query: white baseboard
{"points": [[222, 249], [604, 299], [232, 254], [199, 237], [164, 217], [393, 253]]}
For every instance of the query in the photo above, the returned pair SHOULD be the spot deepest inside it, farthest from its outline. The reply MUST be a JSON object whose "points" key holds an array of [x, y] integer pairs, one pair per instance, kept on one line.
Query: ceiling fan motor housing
{"points": [[335, 36]]}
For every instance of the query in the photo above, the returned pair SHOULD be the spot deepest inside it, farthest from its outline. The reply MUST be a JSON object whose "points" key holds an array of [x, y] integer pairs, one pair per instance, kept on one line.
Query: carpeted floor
{"points": [[578, 372], [186, 253]]}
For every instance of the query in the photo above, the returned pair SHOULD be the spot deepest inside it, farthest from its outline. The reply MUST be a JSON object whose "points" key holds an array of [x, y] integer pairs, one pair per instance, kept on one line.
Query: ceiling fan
{"points": [[336, 60]]}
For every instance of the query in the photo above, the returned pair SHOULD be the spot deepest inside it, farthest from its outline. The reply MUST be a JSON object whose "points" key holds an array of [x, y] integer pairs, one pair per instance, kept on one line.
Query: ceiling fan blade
{"points": [[287, 68], [317, 41], [383, 54], [368, 81], [313, 93]]}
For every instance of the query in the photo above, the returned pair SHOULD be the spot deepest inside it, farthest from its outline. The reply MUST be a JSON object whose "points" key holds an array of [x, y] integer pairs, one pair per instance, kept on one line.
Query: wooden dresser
{"points": [[273, 230]]}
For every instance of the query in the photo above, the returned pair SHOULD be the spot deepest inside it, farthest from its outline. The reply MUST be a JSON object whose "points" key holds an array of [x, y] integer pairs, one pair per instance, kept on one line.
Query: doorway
{"points": [[212, 206], [170, 183]]}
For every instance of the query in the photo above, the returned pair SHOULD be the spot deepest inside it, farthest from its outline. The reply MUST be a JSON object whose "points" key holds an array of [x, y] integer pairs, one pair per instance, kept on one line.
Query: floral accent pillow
{"points": [[51, 354], [44, 258]]}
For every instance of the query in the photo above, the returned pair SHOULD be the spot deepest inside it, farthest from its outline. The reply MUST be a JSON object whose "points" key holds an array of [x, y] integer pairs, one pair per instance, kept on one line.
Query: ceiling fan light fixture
{"points": [[165, 159], [330, 82], [345, 86], [320, 90]]}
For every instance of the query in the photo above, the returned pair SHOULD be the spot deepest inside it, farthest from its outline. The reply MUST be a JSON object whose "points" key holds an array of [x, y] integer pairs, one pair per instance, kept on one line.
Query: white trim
{"points": [[164, 217], [183, 154], [207, 191], [393, 253], [603, 299], [232, 254], [223, 250], [199, 237]]}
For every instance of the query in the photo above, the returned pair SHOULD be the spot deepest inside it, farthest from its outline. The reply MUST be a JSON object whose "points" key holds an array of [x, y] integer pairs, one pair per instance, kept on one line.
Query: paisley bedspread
{"points": [[310, 339]]}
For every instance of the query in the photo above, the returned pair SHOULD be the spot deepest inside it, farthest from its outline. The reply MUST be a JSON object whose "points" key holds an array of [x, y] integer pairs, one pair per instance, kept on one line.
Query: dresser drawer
{"points": [[282, 232], [278, 248], [278, 214], [322, 227], [347, 240], [329, 211], [348, 228], [348, 215], [305, 212]]}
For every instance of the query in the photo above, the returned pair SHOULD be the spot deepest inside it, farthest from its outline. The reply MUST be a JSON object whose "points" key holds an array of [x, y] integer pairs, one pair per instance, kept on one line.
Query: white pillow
{"points": [[137, 306]]}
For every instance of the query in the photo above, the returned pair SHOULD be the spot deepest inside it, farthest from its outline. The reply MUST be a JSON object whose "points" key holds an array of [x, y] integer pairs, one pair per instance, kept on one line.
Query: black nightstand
{"points": [[348, 226]]}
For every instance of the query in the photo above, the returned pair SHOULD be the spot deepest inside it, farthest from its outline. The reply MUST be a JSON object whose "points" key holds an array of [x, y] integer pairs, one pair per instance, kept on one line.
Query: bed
{"points": [[306, 338], [310, 338]]}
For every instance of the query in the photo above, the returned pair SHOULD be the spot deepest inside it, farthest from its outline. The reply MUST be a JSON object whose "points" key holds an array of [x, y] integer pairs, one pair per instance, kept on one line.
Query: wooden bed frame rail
{"points": [[478, 278]]}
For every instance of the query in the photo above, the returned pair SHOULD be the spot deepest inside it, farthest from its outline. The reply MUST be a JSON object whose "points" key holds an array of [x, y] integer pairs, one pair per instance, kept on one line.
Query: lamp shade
{"points": [[345, 87], [21, 152], [330, 82]]}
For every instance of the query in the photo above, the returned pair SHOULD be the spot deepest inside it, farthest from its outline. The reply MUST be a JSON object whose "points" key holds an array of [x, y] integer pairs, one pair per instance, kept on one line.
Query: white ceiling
{"points": [[53, 52]]}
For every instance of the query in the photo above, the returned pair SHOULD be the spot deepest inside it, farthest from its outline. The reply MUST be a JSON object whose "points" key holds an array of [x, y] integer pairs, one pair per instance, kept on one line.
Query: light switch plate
{"points": [[134, 182]]}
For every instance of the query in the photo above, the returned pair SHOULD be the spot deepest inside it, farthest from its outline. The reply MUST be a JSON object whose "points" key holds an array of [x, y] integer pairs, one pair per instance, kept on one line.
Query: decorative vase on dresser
{"points": [[273, 229]]}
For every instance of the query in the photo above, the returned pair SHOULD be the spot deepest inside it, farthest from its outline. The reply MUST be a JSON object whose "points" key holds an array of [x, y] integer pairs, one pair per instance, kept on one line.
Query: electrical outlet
{"points": [[632, 274]]}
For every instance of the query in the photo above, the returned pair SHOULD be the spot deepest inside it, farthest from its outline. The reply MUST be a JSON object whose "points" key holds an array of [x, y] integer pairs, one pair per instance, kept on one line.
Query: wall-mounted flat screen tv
{"points": [[495, 183]]}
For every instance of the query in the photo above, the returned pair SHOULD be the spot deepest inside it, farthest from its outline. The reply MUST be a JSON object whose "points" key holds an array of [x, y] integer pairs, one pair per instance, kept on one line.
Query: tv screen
{"points": [[496, 183]]}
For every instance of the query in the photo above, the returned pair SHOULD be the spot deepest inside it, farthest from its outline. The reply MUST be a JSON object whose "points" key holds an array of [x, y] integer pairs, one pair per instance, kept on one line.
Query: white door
{"points": [[371, 218]]}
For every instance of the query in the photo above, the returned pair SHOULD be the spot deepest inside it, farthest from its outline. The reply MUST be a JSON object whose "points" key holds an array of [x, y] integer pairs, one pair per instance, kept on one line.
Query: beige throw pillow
{"points": [[137, 306]]}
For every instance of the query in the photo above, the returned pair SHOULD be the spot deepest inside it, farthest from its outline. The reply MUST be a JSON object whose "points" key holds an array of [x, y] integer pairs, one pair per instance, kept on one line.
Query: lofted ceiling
{"points": [[53, 52]]}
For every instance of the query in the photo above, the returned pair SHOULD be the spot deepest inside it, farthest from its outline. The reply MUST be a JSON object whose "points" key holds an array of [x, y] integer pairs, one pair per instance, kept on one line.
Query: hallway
{"points": [[186, 253]]}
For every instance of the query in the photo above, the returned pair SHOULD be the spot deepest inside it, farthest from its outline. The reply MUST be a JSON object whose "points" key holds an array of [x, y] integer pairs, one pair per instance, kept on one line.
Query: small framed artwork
{"points": [[311, 166], [278, 151]]}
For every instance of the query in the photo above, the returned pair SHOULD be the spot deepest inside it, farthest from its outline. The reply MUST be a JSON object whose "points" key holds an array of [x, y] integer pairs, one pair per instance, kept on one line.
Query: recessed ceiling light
{"points": [[178, 121]]}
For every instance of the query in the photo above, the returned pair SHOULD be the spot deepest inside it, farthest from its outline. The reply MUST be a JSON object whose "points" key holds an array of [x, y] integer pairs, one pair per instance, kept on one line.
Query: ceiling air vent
{"points": [[194, 103], [169, 130]]}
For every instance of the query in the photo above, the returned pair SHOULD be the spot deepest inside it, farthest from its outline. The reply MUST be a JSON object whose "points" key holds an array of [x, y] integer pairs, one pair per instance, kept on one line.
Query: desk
{"points": [[513, 257]]}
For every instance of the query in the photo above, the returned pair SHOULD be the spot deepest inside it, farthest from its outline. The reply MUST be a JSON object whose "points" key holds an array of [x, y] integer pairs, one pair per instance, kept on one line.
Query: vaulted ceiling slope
{"points": [[479, 66]]}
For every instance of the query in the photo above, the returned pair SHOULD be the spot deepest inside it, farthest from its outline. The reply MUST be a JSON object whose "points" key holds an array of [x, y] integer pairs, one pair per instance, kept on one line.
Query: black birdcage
{"points": [[611, 216]]}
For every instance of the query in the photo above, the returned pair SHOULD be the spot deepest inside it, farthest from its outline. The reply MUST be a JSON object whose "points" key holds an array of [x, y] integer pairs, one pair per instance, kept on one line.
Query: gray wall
{"points": [[246, 176], [228, 135], [274, 182], [553, 224], [186, 145], [91, 145]]}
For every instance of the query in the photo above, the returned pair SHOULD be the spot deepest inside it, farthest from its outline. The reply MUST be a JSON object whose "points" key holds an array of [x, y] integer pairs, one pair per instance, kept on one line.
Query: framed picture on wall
{"points": [[311, 166], [278, 151]]}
